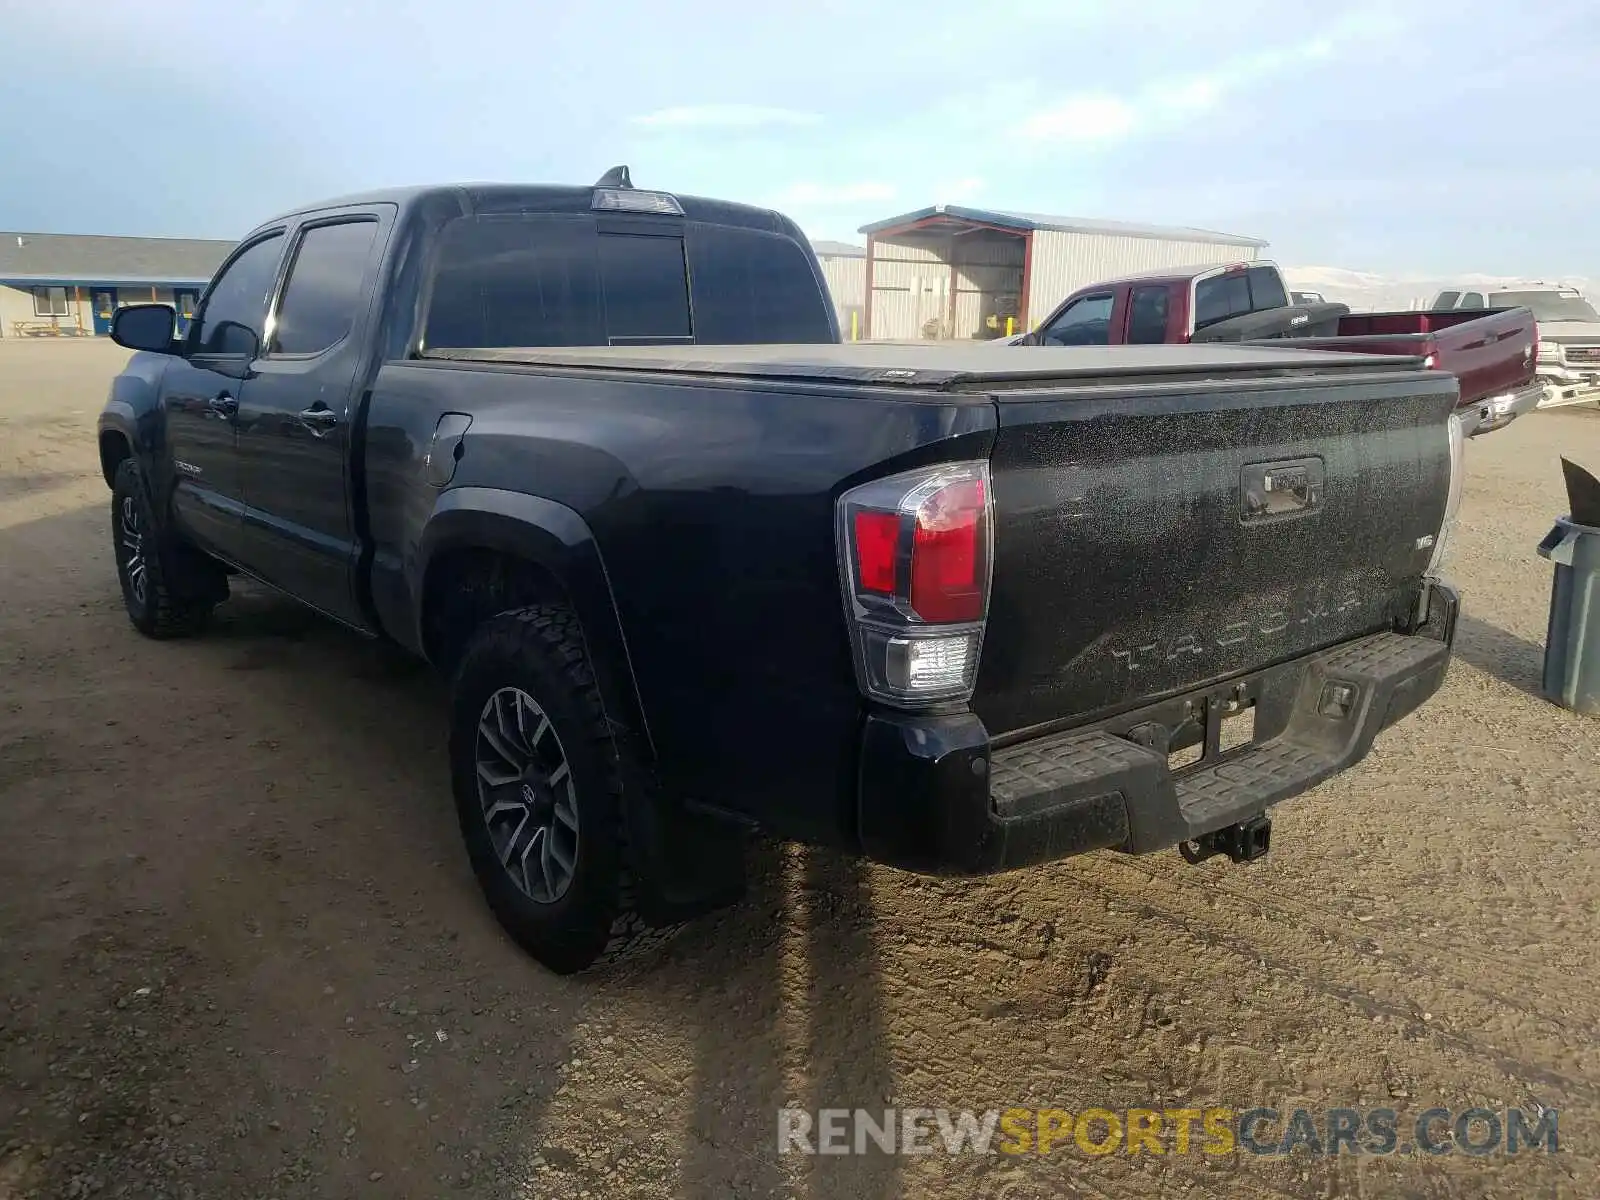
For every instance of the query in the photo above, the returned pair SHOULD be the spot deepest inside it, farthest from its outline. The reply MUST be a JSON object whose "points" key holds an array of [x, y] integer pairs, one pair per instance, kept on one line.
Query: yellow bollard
{"points": [[1011, 326], [855, 326]]}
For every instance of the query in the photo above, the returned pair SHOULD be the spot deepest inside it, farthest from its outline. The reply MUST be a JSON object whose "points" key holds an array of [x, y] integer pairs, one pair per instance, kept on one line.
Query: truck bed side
{"points": [[1125, 570], [711, 504], [1491, 352]]}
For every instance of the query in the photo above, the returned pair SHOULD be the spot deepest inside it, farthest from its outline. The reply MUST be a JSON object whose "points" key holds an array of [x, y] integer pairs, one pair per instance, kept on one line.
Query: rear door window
{"points": [[1446, 299], [1472, 300], [1086, 322], [1147, 316]]}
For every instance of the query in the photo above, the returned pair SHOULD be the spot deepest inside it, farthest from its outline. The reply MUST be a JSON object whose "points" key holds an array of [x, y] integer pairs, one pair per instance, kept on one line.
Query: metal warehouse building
{"points": [[845, 268], [954, 272], [67, 284]]}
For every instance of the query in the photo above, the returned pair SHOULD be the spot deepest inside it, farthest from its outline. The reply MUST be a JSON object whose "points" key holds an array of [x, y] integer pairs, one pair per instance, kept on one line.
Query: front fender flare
{"points": [[118, 417], [558, 540]]}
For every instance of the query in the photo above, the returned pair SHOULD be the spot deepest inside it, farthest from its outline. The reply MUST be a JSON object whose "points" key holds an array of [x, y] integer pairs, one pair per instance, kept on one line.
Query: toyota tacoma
{"points": [[694, 568]]}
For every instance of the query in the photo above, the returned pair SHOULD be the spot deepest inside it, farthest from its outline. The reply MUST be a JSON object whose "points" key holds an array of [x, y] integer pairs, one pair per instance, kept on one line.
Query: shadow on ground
{"points": [[315, 759], [1506, 656]]}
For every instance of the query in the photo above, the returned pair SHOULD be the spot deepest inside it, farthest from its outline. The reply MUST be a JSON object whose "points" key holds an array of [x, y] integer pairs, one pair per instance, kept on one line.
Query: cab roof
{"points": [[483, 198], [1182, 274]]}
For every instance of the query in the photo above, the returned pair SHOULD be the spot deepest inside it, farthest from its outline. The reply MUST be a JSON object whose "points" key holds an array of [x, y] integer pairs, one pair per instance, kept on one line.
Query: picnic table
{"points": [[45, 329]]}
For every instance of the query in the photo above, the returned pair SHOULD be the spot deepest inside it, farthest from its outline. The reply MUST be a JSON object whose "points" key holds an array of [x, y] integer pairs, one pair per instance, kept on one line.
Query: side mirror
{"points": [[149, 327]]}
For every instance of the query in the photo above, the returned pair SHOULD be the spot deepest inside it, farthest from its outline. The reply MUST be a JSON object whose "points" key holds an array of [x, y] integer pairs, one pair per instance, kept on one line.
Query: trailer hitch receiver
{"points": [[1244, 842]]}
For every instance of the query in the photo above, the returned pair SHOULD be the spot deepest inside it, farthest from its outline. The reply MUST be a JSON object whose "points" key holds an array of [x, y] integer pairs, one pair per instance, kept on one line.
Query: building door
{"points": [[105, 307]]}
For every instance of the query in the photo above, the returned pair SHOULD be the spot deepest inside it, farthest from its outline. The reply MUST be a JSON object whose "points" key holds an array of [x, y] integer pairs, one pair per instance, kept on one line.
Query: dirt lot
{"points": [[243, 955]]}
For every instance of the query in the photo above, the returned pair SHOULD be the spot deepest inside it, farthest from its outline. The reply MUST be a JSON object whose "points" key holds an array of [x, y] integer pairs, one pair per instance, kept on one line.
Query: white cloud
{"points": [[723, 116], [1186, 96], [1091, 117], [969, 187], [803, 194], [1103, 116]]}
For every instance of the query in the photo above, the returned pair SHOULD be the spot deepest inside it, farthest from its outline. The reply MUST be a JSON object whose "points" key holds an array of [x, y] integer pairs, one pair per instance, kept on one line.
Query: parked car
{"points": [[1491, 352], [1568, 366], [947, 608]]}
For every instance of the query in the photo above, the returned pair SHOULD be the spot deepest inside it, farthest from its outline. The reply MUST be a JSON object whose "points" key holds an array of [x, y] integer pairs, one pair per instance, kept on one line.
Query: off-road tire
{"points": [[160, 609], [595, 922]]}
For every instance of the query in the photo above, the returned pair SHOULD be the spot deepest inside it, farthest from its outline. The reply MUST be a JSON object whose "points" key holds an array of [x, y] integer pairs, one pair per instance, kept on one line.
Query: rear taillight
{"points": [[914, 555]]}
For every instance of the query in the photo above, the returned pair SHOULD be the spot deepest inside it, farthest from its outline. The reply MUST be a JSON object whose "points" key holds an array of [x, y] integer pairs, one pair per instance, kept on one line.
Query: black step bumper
{"points": [[935, 797]]}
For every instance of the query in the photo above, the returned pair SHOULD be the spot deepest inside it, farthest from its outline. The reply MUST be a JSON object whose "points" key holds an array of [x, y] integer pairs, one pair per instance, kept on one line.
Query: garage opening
{"points": [[939, 276]]}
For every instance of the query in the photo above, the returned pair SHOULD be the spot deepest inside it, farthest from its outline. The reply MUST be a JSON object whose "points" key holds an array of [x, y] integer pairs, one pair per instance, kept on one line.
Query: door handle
{"points": [[224, 405], [320, 419]]}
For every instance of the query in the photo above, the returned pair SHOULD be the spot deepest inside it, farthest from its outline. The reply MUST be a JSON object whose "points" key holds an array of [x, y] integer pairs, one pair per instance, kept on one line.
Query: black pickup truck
{"points": [[694, 568]]}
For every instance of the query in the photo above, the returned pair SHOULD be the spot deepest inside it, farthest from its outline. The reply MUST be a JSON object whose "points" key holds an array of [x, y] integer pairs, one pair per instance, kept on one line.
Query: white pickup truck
{"points": [[1568, 363]]}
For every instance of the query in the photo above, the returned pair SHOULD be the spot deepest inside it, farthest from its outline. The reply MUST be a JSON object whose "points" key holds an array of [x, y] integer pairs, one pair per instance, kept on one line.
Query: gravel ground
{"points": [[243, 954]]}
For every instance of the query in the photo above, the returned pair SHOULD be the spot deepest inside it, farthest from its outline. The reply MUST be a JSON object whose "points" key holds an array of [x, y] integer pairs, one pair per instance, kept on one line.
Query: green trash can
{"points": [[1572, 642]]}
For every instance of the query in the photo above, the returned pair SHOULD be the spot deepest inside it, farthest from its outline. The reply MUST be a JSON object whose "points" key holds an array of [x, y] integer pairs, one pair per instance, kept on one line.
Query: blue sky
{"points": [[1389, 137]]}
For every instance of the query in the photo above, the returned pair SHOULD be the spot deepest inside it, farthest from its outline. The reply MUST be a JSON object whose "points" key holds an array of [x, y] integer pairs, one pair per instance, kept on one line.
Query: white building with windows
{"points": [[954, 272], [70, 285]]}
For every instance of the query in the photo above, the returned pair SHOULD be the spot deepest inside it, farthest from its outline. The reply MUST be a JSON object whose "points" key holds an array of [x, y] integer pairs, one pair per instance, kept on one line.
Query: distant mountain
{"points": [[1366, 291]]}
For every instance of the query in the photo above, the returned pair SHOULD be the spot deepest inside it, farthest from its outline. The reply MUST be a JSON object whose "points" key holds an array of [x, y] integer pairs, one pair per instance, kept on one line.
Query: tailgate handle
{"points": [[1274, 490]]}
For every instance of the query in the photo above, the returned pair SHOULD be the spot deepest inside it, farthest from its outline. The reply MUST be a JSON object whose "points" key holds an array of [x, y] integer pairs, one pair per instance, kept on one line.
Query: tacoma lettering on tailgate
{"points": [[1195, 643]]}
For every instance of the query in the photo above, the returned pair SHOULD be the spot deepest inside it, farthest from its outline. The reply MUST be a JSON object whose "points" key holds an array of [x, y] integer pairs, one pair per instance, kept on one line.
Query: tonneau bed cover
{"points": [[952, 366]]}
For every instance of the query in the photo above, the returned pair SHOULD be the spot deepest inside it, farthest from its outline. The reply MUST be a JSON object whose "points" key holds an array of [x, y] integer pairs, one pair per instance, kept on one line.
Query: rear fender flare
{"points": [[685, 863], [558, 540]]}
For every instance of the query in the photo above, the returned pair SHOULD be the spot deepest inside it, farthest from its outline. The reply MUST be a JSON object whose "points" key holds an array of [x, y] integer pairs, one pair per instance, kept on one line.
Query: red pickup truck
{"points": [[1490, 351]]}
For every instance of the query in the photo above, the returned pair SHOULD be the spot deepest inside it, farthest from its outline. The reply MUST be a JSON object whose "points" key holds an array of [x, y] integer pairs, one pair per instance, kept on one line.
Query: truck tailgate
{"points": [[1153, 537]]}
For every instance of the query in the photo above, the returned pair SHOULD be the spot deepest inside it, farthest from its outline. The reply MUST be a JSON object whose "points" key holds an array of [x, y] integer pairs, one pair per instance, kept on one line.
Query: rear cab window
{"points": [[1266, 289], [558, 280], [646, 288], [1236, 292]]}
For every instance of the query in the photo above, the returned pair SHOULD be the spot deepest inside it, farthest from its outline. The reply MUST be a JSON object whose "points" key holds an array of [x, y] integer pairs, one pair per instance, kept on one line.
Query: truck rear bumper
{"points": [[1499, 411], [936, 797]]}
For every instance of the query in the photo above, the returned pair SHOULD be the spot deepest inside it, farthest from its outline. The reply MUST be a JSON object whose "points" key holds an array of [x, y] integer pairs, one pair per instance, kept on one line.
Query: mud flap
{"points": [[685, 864]]}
